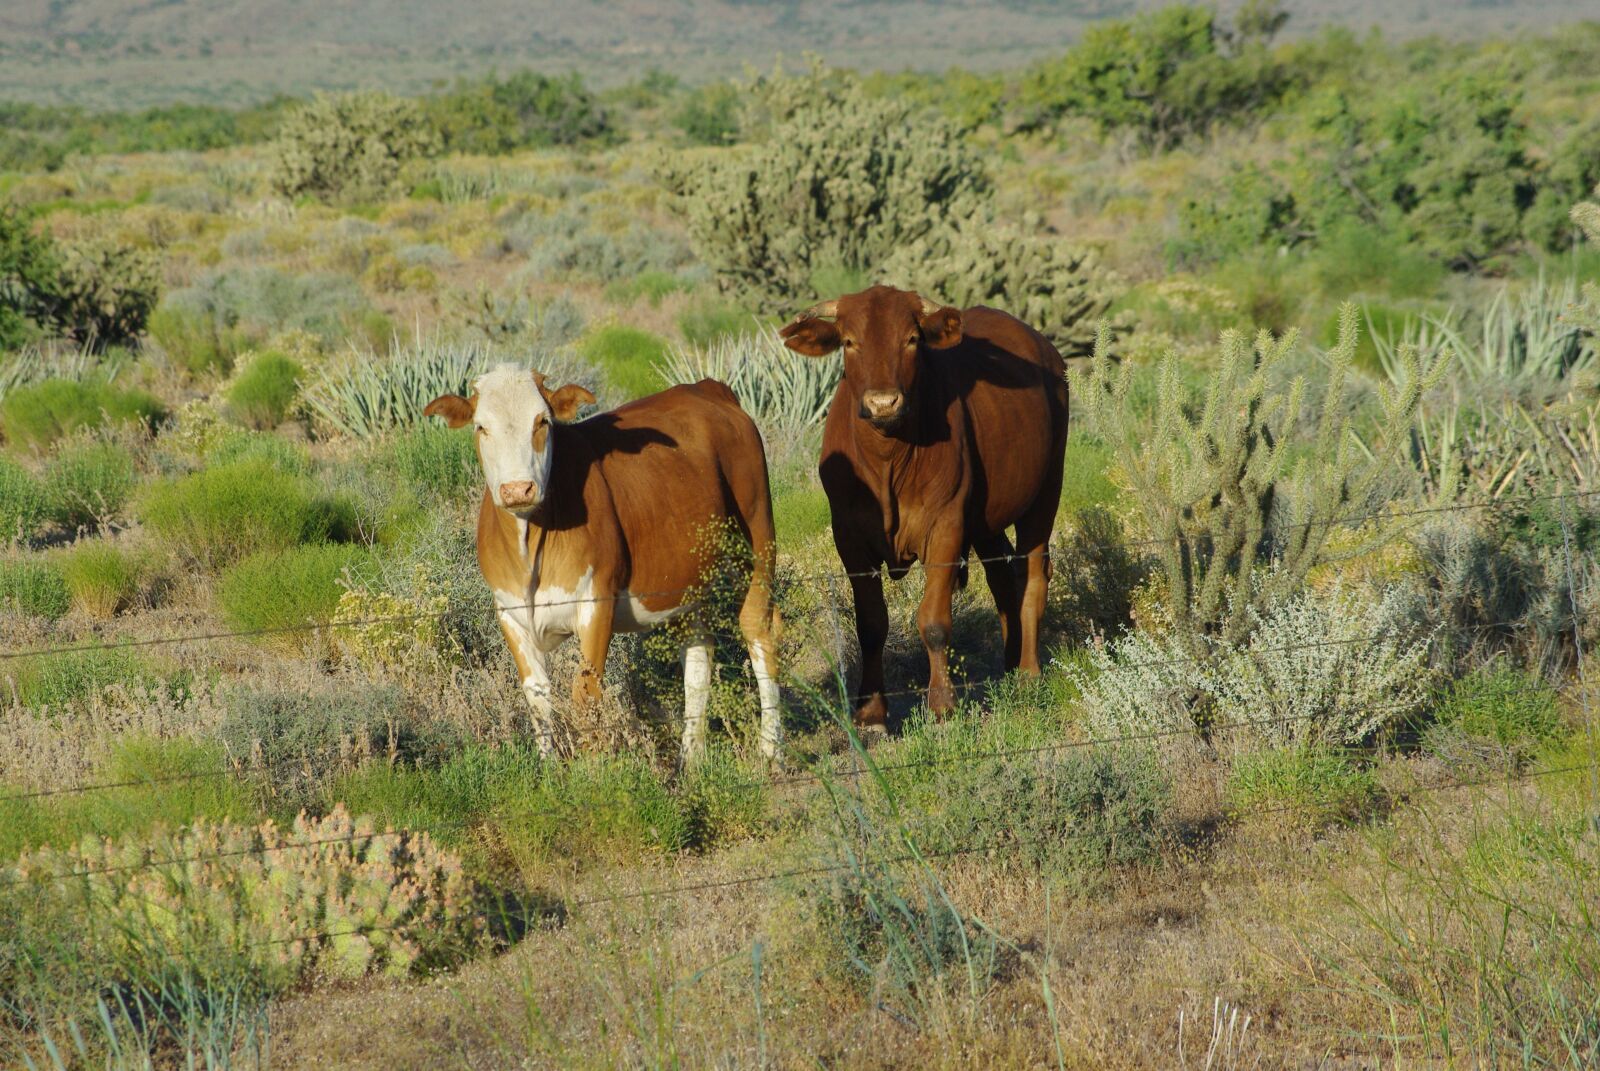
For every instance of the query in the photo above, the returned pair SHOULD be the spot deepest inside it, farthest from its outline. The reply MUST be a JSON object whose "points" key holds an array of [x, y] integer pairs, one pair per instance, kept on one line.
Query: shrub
{"points": [[32, 587], [627, 356], [226, 307], [102, 292], [528, 109], [1301, 786], [54, 680], [1498, 712], [193, 339], [706, 322], [349, 146], [437, 562], [262, 395], [843, 179], [709, 115], [1214, 486], [23, 506], [221, 514], [651, 285], [103, 579], [277, 591], [431, 460], [27, 273], [225, 932], [1316, 669], [1053, 286], [88, 483], [40, 414]]}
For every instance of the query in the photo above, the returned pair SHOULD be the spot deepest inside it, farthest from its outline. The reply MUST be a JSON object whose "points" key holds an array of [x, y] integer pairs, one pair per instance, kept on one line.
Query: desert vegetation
{"points": [[1310, 778]]}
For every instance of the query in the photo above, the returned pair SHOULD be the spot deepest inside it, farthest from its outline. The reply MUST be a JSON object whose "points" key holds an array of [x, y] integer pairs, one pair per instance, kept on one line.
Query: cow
{"points": [[601, 526], [948, 426]]}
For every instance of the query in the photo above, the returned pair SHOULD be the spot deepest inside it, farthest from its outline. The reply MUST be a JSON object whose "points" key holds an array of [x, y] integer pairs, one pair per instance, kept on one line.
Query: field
{"points": [[1311, 778]]}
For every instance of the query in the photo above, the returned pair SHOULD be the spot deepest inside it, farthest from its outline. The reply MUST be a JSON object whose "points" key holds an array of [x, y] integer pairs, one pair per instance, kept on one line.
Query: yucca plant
{"points": [[784, 393]]}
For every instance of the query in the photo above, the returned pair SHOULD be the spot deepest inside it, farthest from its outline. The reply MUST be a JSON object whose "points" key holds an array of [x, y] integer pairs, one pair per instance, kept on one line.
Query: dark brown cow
{"points": [[607, 526], [949, 427]]}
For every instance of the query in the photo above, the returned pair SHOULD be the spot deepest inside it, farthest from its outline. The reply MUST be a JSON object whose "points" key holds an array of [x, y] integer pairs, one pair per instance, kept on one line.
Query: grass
{"points": [[88, 483], [1301, 787], [223, 513], [168, 796], [800, 514], [263, 394], [1086, 479], [53, 680], [432, 461], [38, 415], [627, 356], [1498, 714], [32, 587], [102, 578], [23, 505], [290, 587], [651, 286]]}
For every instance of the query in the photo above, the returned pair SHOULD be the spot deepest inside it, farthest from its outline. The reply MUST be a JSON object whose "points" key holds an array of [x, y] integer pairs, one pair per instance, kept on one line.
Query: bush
{"points": [[23, 506], [225, 307], [103, 579], [54, 680], [706, 322], [262, 395], [102, 293], [88, 483], [526, 110], [192, 337], [27, 274], [32, 587], [709, 115], [277, 591], [1055, 287], [1301, 786], [1315, 669], [221, 514], [627, 356], [842, 180], [1496, 712], [349, 146], [38, 415]]}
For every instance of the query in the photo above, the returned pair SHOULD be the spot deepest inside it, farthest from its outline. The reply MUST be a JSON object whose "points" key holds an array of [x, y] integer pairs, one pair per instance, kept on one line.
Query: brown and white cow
{"points": [[591, 528], [949, 427]]}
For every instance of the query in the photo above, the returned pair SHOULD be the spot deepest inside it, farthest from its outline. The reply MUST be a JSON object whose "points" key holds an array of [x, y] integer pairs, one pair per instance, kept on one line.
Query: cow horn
{"points": [[929, 306], [830, 309]]}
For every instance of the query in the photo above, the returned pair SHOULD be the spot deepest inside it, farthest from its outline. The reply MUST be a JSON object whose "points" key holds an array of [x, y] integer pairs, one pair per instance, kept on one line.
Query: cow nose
{"points": [[517, 493], [882, 404]]}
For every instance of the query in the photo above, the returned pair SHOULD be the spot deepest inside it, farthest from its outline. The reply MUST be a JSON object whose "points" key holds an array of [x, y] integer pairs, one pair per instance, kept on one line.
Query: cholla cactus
{"points": [[1056, 286], [843, 180], [349, 146], [103, 292]]}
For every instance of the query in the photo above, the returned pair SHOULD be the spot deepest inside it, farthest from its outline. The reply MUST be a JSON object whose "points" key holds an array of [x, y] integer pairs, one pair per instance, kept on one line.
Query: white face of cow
{"points": [[511, 413], [512, 423]]}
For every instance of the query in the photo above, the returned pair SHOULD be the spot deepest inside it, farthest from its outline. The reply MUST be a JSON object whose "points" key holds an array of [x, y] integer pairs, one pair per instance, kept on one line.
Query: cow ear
{"points": [[941, 328], [456, 410], [810, 336], [566, 402]]}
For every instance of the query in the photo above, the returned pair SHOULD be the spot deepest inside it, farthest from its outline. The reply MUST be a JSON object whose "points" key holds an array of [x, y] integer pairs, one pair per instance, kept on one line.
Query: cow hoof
{"points": [[872, 713]]}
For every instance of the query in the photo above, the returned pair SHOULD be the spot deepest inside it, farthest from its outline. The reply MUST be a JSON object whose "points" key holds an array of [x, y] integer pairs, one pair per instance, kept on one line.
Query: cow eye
{"points": [[849, 343]]}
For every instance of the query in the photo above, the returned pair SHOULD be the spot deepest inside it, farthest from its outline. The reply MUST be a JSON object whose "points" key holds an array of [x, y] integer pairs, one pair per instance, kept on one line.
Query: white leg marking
{"points": [[771, 714], [696, 695], [536, 685]]}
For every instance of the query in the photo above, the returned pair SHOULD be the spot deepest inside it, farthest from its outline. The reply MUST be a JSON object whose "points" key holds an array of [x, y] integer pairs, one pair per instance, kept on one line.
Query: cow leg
{"points": [[594, 639], [999, 568], [872, 630], [1033, 541], [696, 696], [934, 620], [759, 621], [549, 733]]}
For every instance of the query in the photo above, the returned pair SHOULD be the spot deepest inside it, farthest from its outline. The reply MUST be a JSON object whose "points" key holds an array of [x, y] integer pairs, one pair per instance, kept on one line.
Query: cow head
{"points": [[511, 411], [884, 332]]}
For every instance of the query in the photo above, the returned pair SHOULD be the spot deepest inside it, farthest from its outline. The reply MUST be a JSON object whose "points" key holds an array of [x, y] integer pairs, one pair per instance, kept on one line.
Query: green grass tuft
{"points": [[264, 393], [627, 356], [282, 589], [32, 587], [37, 416]]}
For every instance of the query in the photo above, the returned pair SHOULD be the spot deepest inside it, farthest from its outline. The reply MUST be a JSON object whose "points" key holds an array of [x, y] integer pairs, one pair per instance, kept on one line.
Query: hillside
{"points": [[131, 52]]}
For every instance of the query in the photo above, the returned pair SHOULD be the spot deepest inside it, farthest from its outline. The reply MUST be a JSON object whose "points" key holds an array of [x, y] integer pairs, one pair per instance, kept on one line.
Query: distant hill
{"points": [[135, 52]]}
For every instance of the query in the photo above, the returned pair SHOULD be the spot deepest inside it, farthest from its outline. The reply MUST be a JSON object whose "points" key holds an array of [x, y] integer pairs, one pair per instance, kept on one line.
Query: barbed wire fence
{"points": [[825, 770]]}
